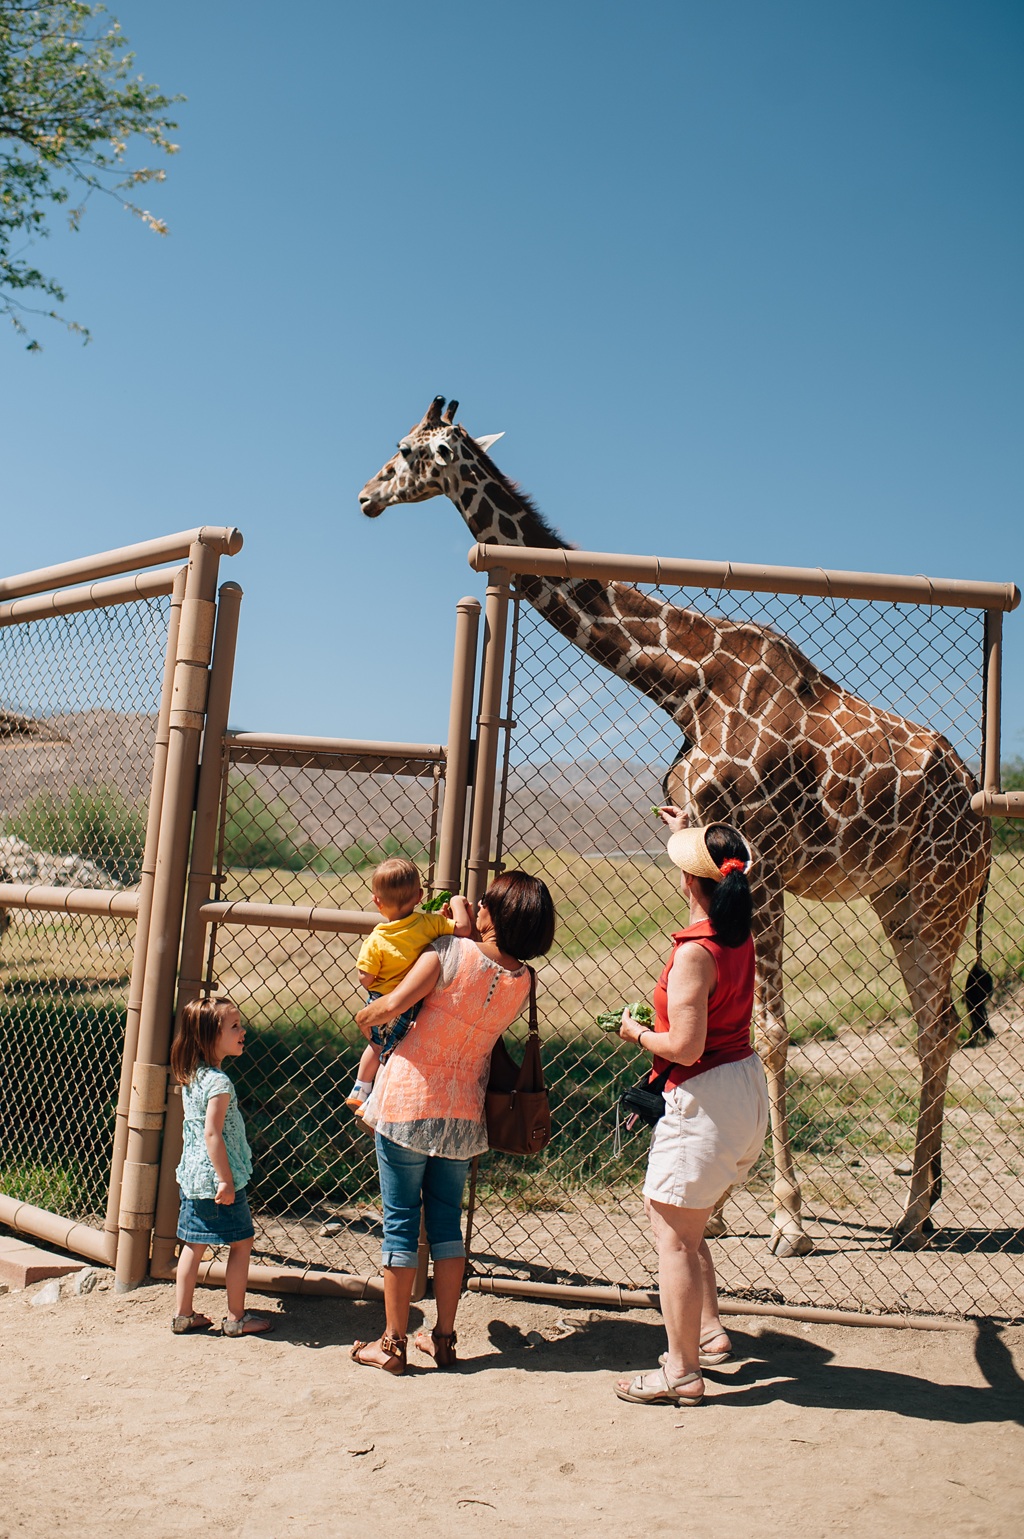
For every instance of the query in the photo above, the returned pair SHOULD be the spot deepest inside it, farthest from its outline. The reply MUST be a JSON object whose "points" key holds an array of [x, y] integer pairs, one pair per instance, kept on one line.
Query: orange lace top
{"points": [[429, 1096]]}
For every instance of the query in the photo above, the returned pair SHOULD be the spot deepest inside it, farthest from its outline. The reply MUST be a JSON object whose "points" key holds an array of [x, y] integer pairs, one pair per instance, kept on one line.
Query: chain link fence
{"points": [[78, 700], [585, 762], [306, 829]]}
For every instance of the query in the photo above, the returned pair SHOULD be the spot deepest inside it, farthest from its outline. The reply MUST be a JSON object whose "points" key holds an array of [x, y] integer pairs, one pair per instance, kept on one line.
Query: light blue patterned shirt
{"points": [[196, 1175]]}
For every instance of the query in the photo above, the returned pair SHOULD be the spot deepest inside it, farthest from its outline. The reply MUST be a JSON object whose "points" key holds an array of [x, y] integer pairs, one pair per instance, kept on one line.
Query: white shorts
{"points": [[712, 1132]]}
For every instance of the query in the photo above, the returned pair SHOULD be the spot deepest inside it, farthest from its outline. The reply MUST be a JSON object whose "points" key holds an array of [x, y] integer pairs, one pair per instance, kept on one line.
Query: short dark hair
{"points": [[523, 914]]}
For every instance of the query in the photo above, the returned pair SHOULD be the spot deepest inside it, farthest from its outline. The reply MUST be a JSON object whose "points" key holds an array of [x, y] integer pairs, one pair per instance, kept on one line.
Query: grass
{"points": [[62, 1021], [59, 1070]]}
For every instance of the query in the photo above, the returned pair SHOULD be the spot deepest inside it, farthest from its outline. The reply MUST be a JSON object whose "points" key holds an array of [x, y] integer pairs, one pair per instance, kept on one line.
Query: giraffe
{"points": [[838, 798]]}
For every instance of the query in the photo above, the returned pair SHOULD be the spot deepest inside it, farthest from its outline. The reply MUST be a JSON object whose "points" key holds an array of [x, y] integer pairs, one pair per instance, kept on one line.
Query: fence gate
{"points": [[582, 763], [103, 698]]}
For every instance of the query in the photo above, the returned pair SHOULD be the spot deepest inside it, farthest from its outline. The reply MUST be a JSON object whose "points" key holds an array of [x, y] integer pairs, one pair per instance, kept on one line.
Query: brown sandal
{"points": [[393, 1346], [443, 1348]]}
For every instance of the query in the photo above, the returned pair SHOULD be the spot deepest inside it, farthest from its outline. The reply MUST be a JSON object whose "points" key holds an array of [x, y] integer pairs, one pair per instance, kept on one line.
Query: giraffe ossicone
{"points": [[841, 799]]}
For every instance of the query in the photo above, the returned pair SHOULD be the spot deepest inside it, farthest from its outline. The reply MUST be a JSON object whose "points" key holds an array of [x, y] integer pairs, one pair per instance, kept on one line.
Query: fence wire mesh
{"points": [[78, 702], [307, 829], [586, 761]]}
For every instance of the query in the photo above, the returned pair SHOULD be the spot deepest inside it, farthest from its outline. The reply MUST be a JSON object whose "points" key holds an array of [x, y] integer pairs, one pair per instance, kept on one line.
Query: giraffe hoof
{"points": [[785, 1246], [913, 1241]]}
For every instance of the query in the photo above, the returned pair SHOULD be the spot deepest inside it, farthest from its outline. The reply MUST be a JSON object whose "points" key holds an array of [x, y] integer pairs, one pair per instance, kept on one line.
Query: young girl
{"points": [[215, 1164]]}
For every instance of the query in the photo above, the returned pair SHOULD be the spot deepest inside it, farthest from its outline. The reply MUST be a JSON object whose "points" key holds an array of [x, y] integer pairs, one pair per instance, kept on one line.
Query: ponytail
{"points": [[731, 907]]}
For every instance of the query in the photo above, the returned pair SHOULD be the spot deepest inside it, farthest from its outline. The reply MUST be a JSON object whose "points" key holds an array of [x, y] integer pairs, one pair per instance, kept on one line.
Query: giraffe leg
{"points": [[911, 1233], [716, 1225], [787, 1235], [925, 920], [895, 909]]}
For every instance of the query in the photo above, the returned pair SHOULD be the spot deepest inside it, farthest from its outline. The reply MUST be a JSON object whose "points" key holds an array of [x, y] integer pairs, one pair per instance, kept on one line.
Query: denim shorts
{"points": [[201, 1221], [396, 1030], [406, 1179]]}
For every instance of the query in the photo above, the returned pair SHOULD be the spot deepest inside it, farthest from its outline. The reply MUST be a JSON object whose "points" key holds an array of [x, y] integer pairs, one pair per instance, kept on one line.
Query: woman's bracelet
{"points": [[640, 1038]]}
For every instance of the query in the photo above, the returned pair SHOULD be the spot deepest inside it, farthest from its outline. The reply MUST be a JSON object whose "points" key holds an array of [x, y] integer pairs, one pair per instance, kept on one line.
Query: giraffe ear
{"points": [[488, 439]]}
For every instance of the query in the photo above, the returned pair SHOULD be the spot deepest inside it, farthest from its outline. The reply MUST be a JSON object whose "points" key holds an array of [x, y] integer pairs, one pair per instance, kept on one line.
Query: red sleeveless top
{"points": [[729, 1008]]}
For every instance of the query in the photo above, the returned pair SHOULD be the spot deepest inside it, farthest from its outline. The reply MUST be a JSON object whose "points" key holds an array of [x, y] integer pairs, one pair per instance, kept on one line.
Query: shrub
{"points": [[1008, 833], [261, 834], [95, 822]]}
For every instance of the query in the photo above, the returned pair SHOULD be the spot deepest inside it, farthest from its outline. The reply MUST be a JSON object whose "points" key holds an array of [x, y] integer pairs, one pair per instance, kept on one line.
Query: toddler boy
{"points": [[389, 951]]}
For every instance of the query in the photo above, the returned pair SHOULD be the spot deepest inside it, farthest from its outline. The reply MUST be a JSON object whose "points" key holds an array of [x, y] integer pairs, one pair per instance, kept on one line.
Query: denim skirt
{"points": [[201, 1221]]}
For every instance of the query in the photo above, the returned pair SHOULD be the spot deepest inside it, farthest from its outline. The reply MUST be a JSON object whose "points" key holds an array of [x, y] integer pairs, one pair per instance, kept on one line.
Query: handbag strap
{"points": [[534, 1028]]}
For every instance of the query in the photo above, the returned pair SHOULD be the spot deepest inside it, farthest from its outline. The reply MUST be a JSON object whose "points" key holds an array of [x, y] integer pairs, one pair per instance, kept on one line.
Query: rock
{"points": [[535, 1338], [86, 1279], [906, 1169], [49, 1293], [4, 1288]]}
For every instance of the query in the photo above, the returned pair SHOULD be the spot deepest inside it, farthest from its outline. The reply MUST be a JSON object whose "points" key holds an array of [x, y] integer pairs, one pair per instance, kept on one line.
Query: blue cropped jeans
{"points": [[408, 1178]]}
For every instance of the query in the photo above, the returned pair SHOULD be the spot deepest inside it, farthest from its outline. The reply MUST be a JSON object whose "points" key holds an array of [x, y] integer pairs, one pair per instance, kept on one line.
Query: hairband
{"points": [[733, 865]]}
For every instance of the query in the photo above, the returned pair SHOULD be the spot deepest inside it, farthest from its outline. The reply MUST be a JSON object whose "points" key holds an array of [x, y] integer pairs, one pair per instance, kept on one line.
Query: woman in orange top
{"points": [[716, 1099], [427, 1105]]}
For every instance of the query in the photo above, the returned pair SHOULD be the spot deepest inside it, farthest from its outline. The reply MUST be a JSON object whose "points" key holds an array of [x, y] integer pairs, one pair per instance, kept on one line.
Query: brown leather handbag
{"points": [[516, 1104]]}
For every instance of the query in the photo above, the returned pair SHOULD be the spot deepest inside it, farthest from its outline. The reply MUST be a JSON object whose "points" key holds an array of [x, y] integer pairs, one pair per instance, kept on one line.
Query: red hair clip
{"points": [[728, 866]]}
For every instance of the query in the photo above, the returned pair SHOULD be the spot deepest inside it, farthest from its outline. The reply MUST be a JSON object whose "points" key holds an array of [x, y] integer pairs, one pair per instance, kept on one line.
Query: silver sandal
{"points": [[237, 1327], [182, 1324], [655, 1389]]}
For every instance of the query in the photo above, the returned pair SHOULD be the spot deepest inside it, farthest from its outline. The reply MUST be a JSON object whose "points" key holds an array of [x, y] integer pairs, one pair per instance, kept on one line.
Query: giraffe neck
{"points": [[652, 644]]}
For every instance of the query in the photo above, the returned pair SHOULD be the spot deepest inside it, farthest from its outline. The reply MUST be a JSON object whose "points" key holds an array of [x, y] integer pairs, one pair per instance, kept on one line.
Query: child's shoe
{"points": [[359, 1094]]}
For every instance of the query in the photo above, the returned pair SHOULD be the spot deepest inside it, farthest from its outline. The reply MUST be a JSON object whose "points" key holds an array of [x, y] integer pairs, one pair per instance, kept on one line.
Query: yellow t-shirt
{"points": [[391, 948]]}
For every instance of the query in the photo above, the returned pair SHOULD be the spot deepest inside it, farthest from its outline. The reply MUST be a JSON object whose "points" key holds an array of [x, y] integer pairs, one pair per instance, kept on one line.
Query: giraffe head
{"points": [[434, 458]]}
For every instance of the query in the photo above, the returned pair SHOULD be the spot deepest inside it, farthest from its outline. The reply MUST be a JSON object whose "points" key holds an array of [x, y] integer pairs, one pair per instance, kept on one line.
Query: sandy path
{"points": [[110, 1425]]}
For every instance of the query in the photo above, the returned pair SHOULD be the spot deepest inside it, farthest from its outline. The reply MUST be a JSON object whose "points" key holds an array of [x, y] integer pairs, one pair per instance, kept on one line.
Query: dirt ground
{"points": [[111, 1425]]}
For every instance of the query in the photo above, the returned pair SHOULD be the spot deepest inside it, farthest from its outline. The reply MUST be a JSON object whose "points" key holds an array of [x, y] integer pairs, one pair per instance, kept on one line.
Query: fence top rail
{"points": [[737, 576], [108, 563], [95, 595], [348, 746]]}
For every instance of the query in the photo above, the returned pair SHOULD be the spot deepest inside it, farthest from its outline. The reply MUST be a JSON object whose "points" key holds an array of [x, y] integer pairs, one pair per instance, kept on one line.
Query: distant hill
{"points": [[595, 806]]}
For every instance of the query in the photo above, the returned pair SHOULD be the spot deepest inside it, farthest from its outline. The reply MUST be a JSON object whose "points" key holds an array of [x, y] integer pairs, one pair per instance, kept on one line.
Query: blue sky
{"points": [[737, 280]]}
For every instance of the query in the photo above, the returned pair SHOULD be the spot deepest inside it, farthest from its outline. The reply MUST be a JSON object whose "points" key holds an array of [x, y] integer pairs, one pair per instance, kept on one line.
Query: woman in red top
{"points": [[716, 1099]]}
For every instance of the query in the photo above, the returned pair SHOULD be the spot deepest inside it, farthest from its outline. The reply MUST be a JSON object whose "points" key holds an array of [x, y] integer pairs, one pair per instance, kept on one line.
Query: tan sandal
{"points": [[393, 1346], [708, 1359], [441, 1349], [655, 1389], [712, 1359]]}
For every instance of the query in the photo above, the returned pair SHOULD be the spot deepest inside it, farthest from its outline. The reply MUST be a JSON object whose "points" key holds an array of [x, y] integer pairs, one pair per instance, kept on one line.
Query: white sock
{"points": [[362, 1087]]}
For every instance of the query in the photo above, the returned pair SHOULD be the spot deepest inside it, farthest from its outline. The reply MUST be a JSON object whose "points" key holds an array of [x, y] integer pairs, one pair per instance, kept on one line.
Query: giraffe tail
{"points": [[979, 985]]}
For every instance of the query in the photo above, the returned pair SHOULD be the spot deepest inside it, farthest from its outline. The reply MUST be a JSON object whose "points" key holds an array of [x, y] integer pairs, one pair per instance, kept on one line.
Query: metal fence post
{"points": [[992, 706], [478, 865], [456, 774], [131, 1025], [149, 1076], [200, 880]]}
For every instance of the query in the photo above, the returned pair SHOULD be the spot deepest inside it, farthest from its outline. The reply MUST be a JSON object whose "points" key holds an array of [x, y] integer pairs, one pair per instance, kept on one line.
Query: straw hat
{"points": [[688, 850]]}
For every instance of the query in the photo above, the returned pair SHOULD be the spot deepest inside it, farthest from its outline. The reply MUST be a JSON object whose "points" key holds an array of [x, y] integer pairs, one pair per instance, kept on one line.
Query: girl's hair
{"points": [[731, 907], [523, 914], [196, 1038]]}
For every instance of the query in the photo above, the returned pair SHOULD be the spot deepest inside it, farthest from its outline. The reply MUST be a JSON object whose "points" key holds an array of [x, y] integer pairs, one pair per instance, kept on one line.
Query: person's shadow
{"points": [[810, 1377], [819, 1383]]}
